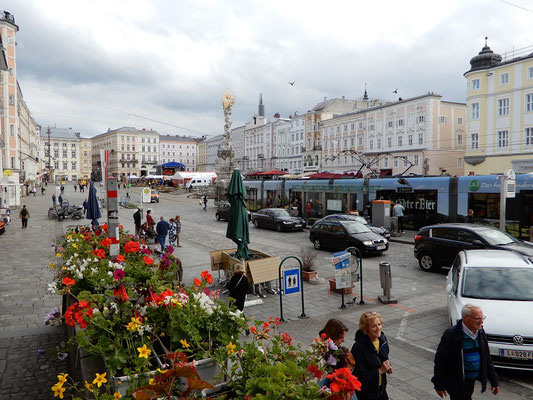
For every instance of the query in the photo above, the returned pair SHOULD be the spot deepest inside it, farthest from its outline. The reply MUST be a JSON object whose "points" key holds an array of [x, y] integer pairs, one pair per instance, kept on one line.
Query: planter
{"points": [[333, 287], [308, 275]]}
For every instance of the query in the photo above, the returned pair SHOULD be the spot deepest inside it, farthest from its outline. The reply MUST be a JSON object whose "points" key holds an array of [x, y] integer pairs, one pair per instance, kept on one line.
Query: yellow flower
{"points": [[161, 371], [58, 255], [151, 381], [89, 386], [74, 245], [117, 395], [100, 379], [230, 348], [58, 390], [143, 351], [69, 236], [62, 378], [184, 343], [51, 265], [63, 268]]}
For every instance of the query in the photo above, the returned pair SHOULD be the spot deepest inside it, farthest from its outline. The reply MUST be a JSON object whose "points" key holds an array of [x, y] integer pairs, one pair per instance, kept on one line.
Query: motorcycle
{"points": [[70, 212], [52, 212]]}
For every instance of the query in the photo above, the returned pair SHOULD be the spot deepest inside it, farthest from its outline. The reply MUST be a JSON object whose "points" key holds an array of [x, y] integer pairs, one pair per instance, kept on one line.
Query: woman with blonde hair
{"points": [[371, 355]]}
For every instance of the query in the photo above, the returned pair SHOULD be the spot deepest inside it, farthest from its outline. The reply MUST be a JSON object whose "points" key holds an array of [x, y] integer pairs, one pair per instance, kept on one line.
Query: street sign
{"points": [[147, 195], [343, 276], [291, 281], [8, 172]]}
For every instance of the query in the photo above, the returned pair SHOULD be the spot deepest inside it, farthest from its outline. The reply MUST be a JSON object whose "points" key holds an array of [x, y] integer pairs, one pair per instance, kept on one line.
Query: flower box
{"points": [[308, 275], [333, 287]]}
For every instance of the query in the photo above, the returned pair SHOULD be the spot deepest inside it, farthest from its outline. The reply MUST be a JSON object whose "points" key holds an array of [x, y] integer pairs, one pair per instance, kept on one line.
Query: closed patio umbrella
{"points": [[93, 209], [238, 229]]}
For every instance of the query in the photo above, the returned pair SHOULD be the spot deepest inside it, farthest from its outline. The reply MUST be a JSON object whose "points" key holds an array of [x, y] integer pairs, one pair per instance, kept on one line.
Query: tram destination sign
{"points": [[404, 189]]}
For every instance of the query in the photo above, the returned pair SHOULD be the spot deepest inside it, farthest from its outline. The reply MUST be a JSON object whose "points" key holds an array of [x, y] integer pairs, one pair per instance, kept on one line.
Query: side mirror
{"points": [[478, 244], [449, 288]]}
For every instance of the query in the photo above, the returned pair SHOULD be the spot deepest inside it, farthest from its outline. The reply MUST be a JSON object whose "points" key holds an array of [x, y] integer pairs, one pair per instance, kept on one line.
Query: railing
{"points": [[7, 16]]}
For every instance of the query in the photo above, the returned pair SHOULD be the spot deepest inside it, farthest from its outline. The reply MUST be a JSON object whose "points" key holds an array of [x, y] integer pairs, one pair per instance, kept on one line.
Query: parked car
{"points": [[2, 227], [223, 210], [501, 283], [437, 245], [278, 219], [339, 235], [380, 230], [154, 196]]}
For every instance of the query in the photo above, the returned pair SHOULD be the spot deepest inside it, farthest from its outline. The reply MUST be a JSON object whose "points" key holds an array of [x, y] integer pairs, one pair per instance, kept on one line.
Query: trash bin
{"points": [[394, 229], [386, 283]]}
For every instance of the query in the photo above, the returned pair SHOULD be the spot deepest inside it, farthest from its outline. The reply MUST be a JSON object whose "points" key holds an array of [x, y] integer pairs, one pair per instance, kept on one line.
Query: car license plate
{"points": [[520, 354], [298, 225], [382, 247]]}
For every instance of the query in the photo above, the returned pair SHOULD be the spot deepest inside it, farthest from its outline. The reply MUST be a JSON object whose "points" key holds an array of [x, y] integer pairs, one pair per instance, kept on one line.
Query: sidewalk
{"points": [[25, 256]]}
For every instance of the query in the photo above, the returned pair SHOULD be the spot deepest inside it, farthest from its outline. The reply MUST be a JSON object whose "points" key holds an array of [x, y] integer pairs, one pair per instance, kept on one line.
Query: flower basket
{"points": [[333, 287]]}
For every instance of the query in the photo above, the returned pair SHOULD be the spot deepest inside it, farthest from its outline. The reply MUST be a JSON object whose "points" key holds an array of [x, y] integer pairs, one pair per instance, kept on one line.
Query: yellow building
{"points": [[201, 162], [85, 158], [122, 144], [500, 113]]}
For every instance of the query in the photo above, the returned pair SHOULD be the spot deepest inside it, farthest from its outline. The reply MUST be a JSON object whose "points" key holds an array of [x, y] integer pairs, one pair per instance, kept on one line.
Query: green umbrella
{"points": [[238, 229]]}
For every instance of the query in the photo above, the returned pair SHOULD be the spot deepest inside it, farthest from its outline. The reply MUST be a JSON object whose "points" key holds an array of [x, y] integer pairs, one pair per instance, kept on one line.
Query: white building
{"points": [[29, 136], [283, 147], [237, 141], [213, 144], [61, 150], [181, 149], [148, 151]]}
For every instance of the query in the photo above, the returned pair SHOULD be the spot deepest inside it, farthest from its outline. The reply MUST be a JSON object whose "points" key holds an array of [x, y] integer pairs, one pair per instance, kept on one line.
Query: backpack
{"points": [[24, 213]]}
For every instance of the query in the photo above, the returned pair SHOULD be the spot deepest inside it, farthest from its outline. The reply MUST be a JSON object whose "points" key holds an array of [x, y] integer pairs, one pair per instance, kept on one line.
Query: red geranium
{"points": [[147, 260], [119, 274], [79, 313], [132, 247], [119, 258], [99, 253], [286, 338], [159, 299], [197, 282], [106, 242], [205, 275], [315, 371], [343, 384], [120, 293], [68, 281]]}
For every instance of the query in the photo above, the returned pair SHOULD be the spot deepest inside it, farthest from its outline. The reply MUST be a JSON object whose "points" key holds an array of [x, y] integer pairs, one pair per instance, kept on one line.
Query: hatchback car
{"points": [[154, 196], [278, 219], [223, 209], [437, 245], [380, 230], [339, 235], [501, 283]]}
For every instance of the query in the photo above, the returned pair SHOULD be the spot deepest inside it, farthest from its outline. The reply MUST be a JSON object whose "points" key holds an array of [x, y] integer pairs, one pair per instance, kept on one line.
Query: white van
{"points": [[198, 182]]}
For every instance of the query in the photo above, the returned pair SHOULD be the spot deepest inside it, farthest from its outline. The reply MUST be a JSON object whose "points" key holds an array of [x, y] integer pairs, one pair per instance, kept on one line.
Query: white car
{"points": [[501, 283]]}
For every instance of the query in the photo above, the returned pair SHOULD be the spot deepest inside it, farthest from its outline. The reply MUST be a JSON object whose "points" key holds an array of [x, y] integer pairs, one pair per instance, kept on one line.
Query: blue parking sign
{"points": [[291, 281]]}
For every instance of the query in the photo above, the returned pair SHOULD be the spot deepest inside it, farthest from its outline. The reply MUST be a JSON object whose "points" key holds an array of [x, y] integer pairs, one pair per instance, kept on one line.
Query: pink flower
{"points": [[119, 274]]}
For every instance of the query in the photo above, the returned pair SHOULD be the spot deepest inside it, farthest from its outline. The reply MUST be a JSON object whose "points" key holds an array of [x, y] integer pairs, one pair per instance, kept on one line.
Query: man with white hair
{"points": [[463, 357]]}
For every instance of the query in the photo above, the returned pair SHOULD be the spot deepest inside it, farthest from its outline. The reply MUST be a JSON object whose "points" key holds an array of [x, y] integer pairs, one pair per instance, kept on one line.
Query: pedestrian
{"points": [[371, 354], [137, 217], [24, 215], [172, 231], [309, 209], [53, 200], [62, 188], [177, 221], [60, 199], [238, 286], [470, 216], [33, 191], [204, 199], [85, 206], [128, 196], [463, 358], [318, 209], [75, 188], [397, 211], [162, 232], [42, 190]]}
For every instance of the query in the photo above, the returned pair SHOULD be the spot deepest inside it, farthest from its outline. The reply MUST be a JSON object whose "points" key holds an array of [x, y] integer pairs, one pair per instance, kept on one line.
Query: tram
{"points": [[427, 200]]}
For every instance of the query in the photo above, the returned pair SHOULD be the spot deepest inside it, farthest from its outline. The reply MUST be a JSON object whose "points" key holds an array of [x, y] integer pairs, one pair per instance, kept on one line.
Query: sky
{"points": [[164, 64]]}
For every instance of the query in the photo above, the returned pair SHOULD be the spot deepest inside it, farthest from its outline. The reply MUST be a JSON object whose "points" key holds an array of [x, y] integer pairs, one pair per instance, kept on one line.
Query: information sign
{"points": [[147, 195], [341, 262], [291, 281]]}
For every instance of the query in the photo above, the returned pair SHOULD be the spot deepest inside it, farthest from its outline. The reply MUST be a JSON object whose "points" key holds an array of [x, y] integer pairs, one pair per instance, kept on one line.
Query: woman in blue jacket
{"points": [[371, 355]]}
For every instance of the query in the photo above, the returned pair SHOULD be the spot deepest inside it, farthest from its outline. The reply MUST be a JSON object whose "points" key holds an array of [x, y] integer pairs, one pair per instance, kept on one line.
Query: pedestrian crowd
{"points": [[149, 229]]}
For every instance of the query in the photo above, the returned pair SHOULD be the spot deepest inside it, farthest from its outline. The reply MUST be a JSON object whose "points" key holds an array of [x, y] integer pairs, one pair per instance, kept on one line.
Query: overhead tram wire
{"points": [[515, 5]]}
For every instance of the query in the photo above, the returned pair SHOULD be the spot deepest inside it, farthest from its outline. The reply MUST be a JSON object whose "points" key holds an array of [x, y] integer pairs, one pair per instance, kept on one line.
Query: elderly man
{"points": [[463, 358], [162, 231]]}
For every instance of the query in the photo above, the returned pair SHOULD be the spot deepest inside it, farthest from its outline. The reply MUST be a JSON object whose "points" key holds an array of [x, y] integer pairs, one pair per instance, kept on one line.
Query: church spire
{"points": [[365, 96], [261, 108]]}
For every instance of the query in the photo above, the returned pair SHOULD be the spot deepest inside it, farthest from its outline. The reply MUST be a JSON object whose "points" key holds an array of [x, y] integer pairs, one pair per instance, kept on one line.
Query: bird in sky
{"points": [[292, 83], [395, 90]]}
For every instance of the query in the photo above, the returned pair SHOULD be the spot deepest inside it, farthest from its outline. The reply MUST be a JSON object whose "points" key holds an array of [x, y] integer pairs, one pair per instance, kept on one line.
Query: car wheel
{"points": [[51, 214], [427, 262], [317, 244], [217, 217], [278, 227], [256, 223]]}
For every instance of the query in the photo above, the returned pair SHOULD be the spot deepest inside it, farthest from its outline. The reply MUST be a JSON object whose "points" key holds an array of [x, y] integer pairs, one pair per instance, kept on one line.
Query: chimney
{"points": [[325, 99], [276, 115]]}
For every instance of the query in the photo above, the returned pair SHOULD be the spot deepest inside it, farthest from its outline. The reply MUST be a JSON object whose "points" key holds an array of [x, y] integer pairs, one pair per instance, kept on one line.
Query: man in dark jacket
{"points": [[137, 221], [463, 357], [162, 232]]}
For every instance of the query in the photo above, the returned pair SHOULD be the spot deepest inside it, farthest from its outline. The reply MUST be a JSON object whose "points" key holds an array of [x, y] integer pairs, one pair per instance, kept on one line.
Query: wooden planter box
{"points": [[308, 275], [258, 271], [333, 287]]}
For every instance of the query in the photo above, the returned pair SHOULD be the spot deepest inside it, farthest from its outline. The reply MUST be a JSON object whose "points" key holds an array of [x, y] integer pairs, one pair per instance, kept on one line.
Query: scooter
{"points": [[71, 212]]}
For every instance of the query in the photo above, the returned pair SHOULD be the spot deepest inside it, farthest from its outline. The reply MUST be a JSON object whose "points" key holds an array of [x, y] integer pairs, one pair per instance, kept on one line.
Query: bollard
{"points": [[394, 229], [386, 283]]}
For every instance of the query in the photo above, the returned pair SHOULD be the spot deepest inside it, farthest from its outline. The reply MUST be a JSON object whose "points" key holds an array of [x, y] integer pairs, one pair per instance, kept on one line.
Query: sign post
{"points": [[343, 278], [146, 195], [112, 215], [507, 190], [292, 284]]}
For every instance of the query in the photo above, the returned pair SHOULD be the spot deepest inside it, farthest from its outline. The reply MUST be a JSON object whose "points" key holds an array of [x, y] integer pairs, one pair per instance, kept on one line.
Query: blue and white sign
{"points": [[291, 281], [341, 262]]}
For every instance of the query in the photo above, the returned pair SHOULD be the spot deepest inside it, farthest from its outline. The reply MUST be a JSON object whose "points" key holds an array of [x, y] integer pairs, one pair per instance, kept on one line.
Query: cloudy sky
{"points": [[163, 64]]}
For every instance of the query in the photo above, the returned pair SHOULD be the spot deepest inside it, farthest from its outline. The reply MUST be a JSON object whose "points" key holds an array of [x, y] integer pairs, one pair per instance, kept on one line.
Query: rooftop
{"points": [[59, 133]]}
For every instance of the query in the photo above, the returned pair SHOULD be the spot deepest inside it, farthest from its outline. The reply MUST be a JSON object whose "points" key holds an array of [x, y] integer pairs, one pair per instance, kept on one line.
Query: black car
{"points": [[380, 230], [437, 245], [278, 219], [339, 235], [223, 210]]}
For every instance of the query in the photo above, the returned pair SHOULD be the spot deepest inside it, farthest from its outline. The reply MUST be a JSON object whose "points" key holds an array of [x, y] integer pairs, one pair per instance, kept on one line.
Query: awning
{"points": [[273, 172], [173, 165], [324, 175]]}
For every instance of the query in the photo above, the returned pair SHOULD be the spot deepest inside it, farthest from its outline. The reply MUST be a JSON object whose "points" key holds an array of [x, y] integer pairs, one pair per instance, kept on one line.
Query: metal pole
{"points": [[280, 293], [360, 260], [343, 306], [503, 196], [301, 287]]}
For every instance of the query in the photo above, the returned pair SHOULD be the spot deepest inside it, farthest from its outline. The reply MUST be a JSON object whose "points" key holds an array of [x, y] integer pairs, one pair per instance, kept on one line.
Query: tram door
{"points": [[526, 213]]}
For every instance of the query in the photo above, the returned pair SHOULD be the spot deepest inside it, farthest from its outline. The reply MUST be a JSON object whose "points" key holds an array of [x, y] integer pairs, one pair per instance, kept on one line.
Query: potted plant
{"points": [[308, 258]]}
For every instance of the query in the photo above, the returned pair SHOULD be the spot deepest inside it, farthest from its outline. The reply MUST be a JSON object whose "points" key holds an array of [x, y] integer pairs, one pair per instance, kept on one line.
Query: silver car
{"points": [[501, 283]]}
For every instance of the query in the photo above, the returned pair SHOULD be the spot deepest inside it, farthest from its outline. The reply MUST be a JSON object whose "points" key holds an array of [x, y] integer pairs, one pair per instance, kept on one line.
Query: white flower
{"points": [[114, 307], [142, 310], [184, 298], [52, 288]]}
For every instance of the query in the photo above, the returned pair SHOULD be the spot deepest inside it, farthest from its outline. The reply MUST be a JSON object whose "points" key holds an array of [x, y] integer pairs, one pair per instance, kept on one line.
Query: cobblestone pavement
{"points": [[413, 326]]}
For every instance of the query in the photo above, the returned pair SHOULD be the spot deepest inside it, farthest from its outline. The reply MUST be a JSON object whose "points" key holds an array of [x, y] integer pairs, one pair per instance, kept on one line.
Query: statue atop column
{"points": [[226, 154]]}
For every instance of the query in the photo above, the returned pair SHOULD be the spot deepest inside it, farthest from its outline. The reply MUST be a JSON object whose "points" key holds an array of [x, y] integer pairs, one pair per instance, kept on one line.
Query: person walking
{"points": [[172, 231], [42, 190], [204, 200], [469, 219], [60, 200], [371, 354], [397, 211], [75, 188], [85, 206], [137, 217], [162, 232], [24, 215], [238, 286], [177, 221], [62, 188], [463, 357], [53, 200]]}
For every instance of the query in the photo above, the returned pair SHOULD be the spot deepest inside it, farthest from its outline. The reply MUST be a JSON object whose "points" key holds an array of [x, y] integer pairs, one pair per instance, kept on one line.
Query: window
{"points": [[503, 107], [386, 162], [56, 164], [442, 120], [346, 143], [410, 140], [474, 141], [420, 119], [122, 147], [345, 128], [459, 162], [504, 78], [352, 142], [400, 140], [400, 122], [338, 129], [64, 154], [352, 127], [389, 124], [475, 84], [360, 140], [389, 142], [459, 120], [12, 130], [379, 143], [65, 165], [360, 125], [530, 72], [74, 165], [529, 102], [459, 139], [503, 138], [371, 144], [529, 136], [371, 128], [475, 110], [11, 100], [56, 153], [395, 162], [73, 154], [415, 160]]}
